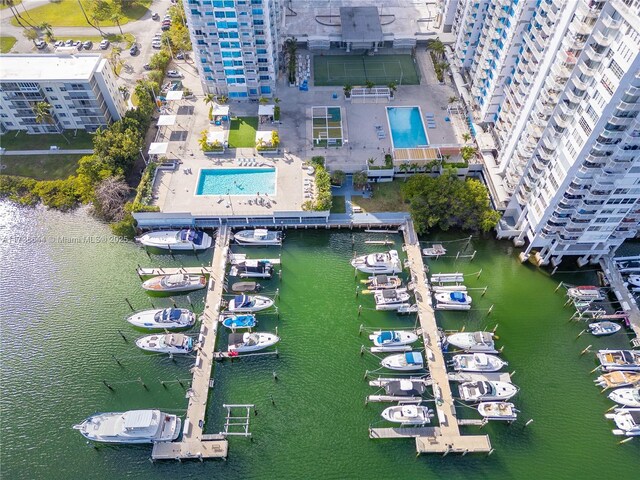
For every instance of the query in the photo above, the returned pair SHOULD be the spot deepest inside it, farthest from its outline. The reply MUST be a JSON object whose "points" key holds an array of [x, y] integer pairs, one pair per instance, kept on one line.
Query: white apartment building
{"points": [[81, 90], [468, 23], [235, 45]]}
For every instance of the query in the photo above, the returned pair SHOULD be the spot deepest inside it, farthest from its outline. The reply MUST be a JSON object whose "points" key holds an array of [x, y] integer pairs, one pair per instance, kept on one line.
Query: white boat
{"points": [[484, 390], [586, 292], [391, 299], [252, 269], [249, 303], [453, 298], [617, 379], [473, 341], [386, 262], [627, 420], [477, 362], [169, 343], [629, 397], [175, 283], [134, 426], [603, 328], [391, 338], [164, 318], [634, 280], [239, 322], [405, 388], [404, 361], [251, 342], [408, 414], [498, 411], [186, 239], [259, 236], [628, 360], [246, 287], [382, 282], [435, 250], [455, 277]]}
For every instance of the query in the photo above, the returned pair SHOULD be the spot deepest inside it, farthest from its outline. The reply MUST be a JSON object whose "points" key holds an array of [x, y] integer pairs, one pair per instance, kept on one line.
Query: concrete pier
{"points": [[622, 293]]}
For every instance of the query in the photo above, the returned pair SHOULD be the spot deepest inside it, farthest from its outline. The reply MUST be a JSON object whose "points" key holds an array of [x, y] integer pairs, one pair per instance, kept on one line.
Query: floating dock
{"points": [[622, 293]]}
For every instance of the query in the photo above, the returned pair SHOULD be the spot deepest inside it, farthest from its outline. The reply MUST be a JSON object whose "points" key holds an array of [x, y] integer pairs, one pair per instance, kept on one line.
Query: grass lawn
{"points": [[6, 43], [242, 132], [22, 141], [40, 167], [67, 13], [338, 204], [386, 198], [15, 2], [128, 38]]}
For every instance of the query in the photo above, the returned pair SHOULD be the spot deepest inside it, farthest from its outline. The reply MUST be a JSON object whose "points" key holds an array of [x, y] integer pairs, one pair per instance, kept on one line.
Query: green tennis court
{"points": [[334, 70]]}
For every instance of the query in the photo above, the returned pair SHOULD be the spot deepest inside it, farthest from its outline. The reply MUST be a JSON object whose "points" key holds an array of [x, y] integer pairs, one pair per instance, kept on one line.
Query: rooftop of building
{"points": [[360, 24], [54, 67]]}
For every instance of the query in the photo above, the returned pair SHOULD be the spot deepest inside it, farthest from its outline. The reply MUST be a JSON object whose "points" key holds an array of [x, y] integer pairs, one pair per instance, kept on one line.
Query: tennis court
{"points": [[327, 126], [338, 70]]}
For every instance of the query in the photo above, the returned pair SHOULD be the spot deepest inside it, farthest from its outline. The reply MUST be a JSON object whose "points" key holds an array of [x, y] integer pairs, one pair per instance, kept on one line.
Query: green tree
{"points": [[437, 47], [393, 87], [120, 144], [209, 98], [160, 60], [179, 37], [30, 34], [360, 179], [100, 11], [466, 137], [369, 84], [263, 100], [338, 177], [291, 49], [404, 168], [347, 90], [467, 153], [453, 99], [115, 13]]}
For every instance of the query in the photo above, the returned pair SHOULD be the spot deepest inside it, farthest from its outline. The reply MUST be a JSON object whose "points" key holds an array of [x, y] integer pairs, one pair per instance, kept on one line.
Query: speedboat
{"points": [[586, 292], [390, 338], [603, 328], [435, 250], [134, 426], [617, 379], [629, 397], [176, 240], [386, 262], [252, 269], [259, 236], [383, 282], [251, 342], [391, 299], [408, 414], [634, 280], [246, 287], [473, 341], [627, 420], [404, 361], [404, 388], [477, 362], [175, 283], [169, 343], [486, 391], [453, 298], [619, 360], [498, 411], [164, 318], [239, 321], [249, 303]]}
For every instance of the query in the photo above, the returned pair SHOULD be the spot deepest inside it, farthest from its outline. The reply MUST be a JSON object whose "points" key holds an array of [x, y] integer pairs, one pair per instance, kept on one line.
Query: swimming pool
{"points": [[407, 128], [237, 181]]}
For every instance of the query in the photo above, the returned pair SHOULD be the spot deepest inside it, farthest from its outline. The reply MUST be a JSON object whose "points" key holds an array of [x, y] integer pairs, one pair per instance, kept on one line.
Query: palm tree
{"points": [[43, 114], [263, 100], [276, 100], [30, 34], [453, 99], [222, 99], [291, 48], [415, 167], [371, 161], [393, 87], [116, 14], [437, 47], [209, 98], [404, 168], [369, 84], [347, 90], [466, 137]]}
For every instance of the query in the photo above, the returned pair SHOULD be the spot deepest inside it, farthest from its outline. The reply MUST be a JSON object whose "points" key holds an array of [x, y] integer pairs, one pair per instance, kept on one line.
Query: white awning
{"points": [[266, 110], [158, 148], [174, 95], [263, 136], [164, 120], [214, 136], [220, 110]]}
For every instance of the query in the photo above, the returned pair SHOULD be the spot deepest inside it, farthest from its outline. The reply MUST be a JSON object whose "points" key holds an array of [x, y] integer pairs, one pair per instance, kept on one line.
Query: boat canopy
{"points": [[236, 338], [386, 336], [138, 419], [242, 301], [191, 236], [389, 294], [176, 279], [381, 279], [458, 297], [260, 233], [482, 337], [413, 358]]}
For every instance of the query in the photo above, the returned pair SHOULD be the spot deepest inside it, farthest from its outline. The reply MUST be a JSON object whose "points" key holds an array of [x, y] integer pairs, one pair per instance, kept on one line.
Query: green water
{"points": [[62, 304]]}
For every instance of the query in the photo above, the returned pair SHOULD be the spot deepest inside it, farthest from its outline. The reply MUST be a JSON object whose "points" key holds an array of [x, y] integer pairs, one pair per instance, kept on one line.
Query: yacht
{"points": [[187, 239], [391, 338], [249, 303], [498, 411], [252, 269], [617, 379], [586, 292], [169, 343], [391, 299], [481, 391], [164, 318], [239, 321], [477, 362], [619, 360], [175, 283], [134, 426], [404, 361], [408, 414], [385, 263], [259, 236], [473, 341], [435, 250], [405, 388], [629, 397], [453, 298], [627, 420], [603, 328], [634, 280], [382, 282], [251, 342]]}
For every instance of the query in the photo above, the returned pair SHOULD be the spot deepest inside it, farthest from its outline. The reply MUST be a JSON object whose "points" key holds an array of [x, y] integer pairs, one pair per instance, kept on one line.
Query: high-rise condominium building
{"points": [[235, 45]]}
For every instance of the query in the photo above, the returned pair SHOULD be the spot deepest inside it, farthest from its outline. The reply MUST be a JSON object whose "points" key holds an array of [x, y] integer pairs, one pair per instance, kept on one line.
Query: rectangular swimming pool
{"points": [[236, 181], [407, 128]]}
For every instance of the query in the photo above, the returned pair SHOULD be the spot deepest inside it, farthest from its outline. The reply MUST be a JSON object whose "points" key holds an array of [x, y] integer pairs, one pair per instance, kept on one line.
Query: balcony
{"points": [[610, 22], [602, 39], [633, 91]]}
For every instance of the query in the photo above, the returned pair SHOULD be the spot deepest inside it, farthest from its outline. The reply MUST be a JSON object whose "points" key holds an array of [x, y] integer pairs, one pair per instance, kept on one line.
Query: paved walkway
{"points": [[46, 152]]}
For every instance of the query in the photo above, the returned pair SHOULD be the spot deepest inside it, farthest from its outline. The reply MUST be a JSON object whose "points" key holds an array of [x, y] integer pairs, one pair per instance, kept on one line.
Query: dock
{"points": [[233, 258], [195, 444], [622, 293]]}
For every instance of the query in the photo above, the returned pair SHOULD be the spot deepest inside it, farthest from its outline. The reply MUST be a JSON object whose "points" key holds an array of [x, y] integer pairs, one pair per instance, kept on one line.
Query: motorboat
{"points": [[252, 269], [634, 280], [586, 292], [484, 390], [435, 250], [259, 236], [627, 420], [629, 397], [453, 298], [477, 362], [391, 299], [619, 360], [405, 388], [251, 342], [408, 414], [169, 343], [246, 287], [473, 341], [617, 379], [249, 303], [388, 338], [382, 282], [603, 328], [134, 426], [178, 282], [498, 411], [404, 361], [164, 318], [385, 263], [239, 321], [186, 239]]}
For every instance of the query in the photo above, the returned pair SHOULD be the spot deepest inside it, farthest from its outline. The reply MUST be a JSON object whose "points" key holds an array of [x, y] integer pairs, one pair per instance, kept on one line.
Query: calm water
{"points": [[407, 128], [63, 291], [237, 181]]}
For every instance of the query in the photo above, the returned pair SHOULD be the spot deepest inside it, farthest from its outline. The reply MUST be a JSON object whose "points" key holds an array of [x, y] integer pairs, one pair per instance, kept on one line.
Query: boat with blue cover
{"points": [[239, 321], [392, 338], [249, 303], [404, 361], [186, 239], [453, 298]]}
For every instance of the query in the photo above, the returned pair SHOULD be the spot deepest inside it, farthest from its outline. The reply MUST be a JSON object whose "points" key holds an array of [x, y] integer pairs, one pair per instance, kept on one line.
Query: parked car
{"points": [[166, 22], [40, 44], [134, 50], [155, 16], [164, 28], [182, 56], [104, 44], [69, 43], [78, 44], [146, 66], [88, 45], [156, 44], [174, 74], [59, 43]]}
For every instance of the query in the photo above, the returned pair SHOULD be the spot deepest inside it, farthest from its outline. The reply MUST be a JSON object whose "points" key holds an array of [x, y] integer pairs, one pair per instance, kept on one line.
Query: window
{"points": [[615, 68], [49, 89]]}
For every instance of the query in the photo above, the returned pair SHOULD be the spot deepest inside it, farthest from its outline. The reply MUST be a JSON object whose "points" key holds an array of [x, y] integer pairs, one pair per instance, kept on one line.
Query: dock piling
{"points": [[275, 376], [362, 350], [144, 385], [129, 303], [116, 359], [359, 310], [625, 440], [478, 276], [558, 287], [190, 302], [585, 350], [529, 422], [108, 386], [122, 335], [273, 402], [180, 382], [357, 291]]}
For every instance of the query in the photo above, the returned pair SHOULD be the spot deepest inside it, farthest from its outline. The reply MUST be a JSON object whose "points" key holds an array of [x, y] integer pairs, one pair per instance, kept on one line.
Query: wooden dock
{"points": [[195, 444]]}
